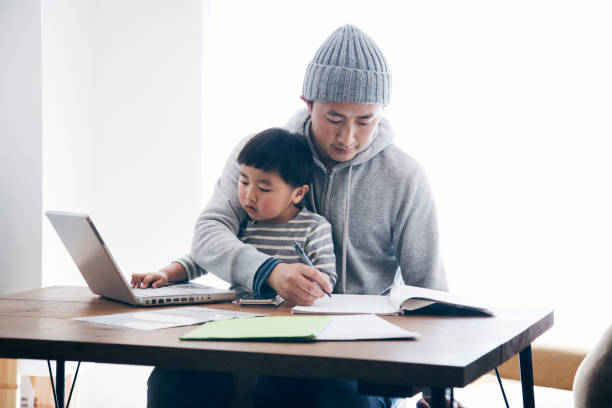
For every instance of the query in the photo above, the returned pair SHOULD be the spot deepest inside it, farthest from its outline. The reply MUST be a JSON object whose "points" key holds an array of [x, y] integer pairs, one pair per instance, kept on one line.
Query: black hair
{"points": [[279, 150]]}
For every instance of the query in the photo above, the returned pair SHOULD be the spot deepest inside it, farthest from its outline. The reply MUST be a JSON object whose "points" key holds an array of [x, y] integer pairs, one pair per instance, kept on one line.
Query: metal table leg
{"points": [[526, 365], [60, 382], [438, 398]]}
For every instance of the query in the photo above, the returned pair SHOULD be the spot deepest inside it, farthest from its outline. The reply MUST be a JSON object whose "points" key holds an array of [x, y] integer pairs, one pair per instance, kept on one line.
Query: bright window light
{"points": [[506, 104]]}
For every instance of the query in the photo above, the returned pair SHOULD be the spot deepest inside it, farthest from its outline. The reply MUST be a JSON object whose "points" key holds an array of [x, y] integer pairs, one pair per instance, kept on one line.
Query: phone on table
{"points": [[252, 300]]}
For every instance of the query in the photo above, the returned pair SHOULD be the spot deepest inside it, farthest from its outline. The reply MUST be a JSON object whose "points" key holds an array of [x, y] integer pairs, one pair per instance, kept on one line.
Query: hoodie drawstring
{"points": [[312, 201], [346, 229]]}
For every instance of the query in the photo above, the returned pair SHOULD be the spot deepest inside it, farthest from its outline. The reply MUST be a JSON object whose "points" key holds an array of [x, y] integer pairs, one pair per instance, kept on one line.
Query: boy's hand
{"points": [[154, 279], [296, 283]]}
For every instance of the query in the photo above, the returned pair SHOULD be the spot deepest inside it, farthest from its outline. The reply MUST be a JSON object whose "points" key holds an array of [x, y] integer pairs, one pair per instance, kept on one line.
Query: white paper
{"points": [[349, 304], [162, 319], [363, 327]]}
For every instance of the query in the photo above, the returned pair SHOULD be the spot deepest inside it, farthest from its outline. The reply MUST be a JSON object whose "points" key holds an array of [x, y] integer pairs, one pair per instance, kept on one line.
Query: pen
{"points": [[305, 259]]}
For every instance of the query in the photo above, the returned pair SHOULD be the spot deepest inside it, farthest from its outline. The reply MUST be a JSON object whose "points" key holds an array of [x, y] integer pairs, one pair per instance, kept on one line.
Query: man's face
{"points": [[340, 130]]}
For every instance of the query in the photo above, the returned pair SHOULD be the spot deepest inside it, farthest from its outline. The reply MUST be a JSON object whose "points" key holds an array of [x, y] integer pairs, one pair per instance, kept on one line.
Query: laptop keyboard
{"points": [[177, 290]]}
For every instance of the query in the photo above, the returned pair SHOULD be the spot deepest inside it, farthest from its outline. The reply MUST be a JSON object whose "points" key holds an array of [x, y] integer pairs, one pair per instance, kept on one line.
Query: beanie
{"points": [[348, 67]]}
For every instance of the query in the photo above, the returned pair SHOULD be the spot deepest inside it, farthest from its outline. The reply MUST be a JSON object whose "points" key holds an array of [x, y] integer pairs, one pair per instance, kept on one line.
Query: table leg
{"points": [[526, 365], [60, 382], [438, 398]]}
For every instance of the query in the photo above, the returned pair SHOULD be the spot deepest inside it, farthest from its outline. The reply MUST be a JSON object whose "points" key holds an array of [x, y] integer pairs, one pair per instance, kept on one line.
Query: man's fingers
{"points": [[136, 280], [300, 297], [296, 283], [310, 288], [158, 283], [293, 290], [146, 281], [324, 282], [307, 290], [315, 283]]}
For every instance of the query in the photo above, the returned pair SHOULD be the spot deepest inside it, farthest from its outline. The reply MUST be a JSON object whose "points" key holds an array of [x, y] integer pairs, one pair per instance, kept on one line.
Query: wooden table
{"points": [[451, 352]]}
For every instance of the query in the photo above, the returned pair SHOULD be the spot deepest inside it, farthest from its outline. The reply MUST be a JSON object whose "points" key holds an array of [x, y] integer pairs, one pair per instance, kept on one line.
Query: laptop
{"points": [[103, 276]]}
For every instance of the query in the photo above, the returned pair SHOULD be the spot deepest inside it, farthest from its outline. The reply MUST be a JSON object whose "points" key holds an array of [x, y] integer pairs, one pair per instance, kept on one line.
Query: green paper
{"points": [[265, 328]]}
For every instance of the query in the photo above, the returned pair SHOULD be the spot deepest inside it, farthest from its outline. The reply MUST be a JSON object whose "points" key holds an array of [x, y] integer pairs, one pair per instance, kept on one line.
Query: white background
{"points": [[127, 110], [506, 106]]}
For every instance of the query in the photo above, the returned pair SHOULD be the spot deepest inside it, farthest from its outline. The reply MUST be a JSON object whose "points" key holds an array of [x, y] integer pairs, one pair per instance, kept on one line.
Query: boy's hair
{"points": [[279, 150]]}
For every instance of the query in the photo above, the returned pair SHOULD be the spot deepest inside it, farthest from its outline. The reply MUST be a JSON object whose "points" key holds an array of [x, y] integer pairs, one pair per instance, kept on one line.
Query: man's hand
{"points": [[296, 283], [153, 279], [174, 272]]}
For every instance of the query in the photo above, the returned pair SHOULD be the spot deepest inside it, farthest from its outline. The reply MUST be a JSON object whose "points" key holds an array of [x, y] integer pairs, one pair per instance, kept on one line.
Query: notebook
{"points": [[291, 328], [103, 276]]}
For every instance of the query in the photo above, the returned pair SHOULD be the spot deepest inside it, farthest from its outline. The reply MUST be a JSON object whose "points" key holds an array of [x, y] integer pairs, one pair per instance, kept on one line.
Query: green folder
{"points": [[261, 328]]}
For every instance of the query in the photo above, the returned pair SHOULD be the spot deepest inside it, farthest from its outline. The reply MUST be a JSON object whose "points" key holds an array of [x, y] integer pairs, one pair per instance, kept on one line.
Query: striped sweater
{"points": [[310, 230]]}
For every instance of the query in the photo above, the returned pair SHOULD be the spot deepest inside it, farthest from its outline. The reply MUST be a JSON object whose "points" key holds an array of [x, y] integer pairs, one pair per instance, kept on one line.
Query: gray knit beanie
{"points": [[349, 67]]}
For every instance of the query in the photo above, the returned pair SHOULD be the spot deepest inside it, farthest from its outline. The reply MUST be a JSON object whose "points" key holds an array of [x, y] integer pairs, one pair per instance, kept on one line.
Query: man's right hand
{"points": [[296, 283], [174, 272], [153, 279]]}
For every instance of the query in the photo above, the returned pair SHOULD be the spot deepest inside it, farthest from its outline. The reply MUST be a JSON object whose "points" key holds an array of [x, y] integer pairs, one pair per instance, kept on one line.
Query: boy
{"points": [[275, 173]]}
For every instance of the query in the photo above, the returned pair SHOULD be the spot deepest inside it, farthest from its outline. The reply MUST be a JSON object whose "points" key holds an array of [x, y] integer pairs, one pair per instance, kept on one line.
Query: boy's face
{"points": [[266, 197], [340, 130]]}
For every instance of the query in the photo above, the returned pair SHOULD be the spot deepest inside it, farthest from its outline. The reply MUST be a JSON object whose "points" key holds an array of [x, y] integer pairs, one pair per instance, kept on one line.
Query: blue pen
{"points": [[305, 259]]}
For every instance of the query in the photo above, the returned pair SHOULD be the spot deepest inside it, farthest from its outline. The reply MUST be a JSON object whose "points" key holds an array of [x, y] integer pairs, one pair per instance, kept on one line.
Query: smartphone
{"points": [[252, 300]]}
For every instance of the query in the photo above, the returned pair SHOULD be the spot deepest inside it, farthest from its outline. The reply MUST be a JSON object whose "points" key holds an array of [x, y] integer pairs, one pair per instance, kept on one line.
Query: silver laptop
{"points": [[103, 276]]}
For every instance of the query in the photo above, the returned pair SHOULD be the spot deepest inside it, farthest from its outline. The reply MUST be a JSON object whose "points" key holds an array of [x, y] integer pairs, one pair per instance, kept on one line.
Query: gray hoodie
{"points": [[379, 205]]}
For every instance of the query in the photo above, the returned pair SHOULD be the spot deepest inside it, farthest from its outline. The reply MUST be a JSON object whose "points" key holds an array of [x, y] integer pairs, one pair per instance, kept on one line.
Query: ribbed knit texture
{"points": [[348, 67]]}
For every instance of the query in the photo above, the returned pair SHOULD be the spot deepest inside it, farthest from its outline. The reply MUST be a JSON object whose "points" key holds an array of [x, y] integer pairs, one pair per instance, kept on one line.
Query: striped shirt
{"points": [[310, 230]]}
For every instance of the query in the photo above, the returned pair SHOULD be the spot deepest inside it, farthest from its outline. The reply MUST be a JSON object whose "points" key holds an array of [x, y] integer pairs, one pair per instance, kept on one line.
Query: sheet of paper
{"points": [[267, 327], [363, 327], [164, 318], [349, 304]]}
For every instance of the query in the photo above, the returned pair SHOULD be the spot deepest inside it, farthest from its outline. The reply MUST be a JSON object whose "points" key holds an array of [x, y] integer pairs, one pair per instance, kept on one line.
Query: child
{"points": [[275, 173]]}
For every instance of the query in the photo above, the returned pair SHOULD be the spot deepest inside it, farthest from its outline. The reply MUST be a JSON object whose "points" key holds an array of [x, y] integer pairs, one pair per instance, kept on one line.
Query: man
{"points": [[375, 196]]}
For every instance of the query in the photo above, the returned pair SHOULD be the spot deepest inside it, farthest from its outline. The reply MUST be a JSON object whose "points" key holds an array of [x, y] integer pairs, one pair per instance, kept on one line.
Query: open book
{"points": [[401, 299]]}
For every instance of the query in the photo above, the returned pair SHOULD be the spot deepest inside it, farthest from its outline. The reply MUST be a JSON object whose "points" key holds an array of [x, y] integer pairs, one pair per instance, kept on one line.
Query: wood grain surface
{"points": [[451, 352]]}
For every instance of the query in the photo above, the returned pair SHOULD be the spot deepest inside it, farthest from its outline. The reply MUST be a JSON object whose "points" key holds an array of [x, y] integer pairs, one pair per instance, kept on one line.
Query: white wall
{"points": [[123, 142], [20, 145], [67, 153], [147, 127]]}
